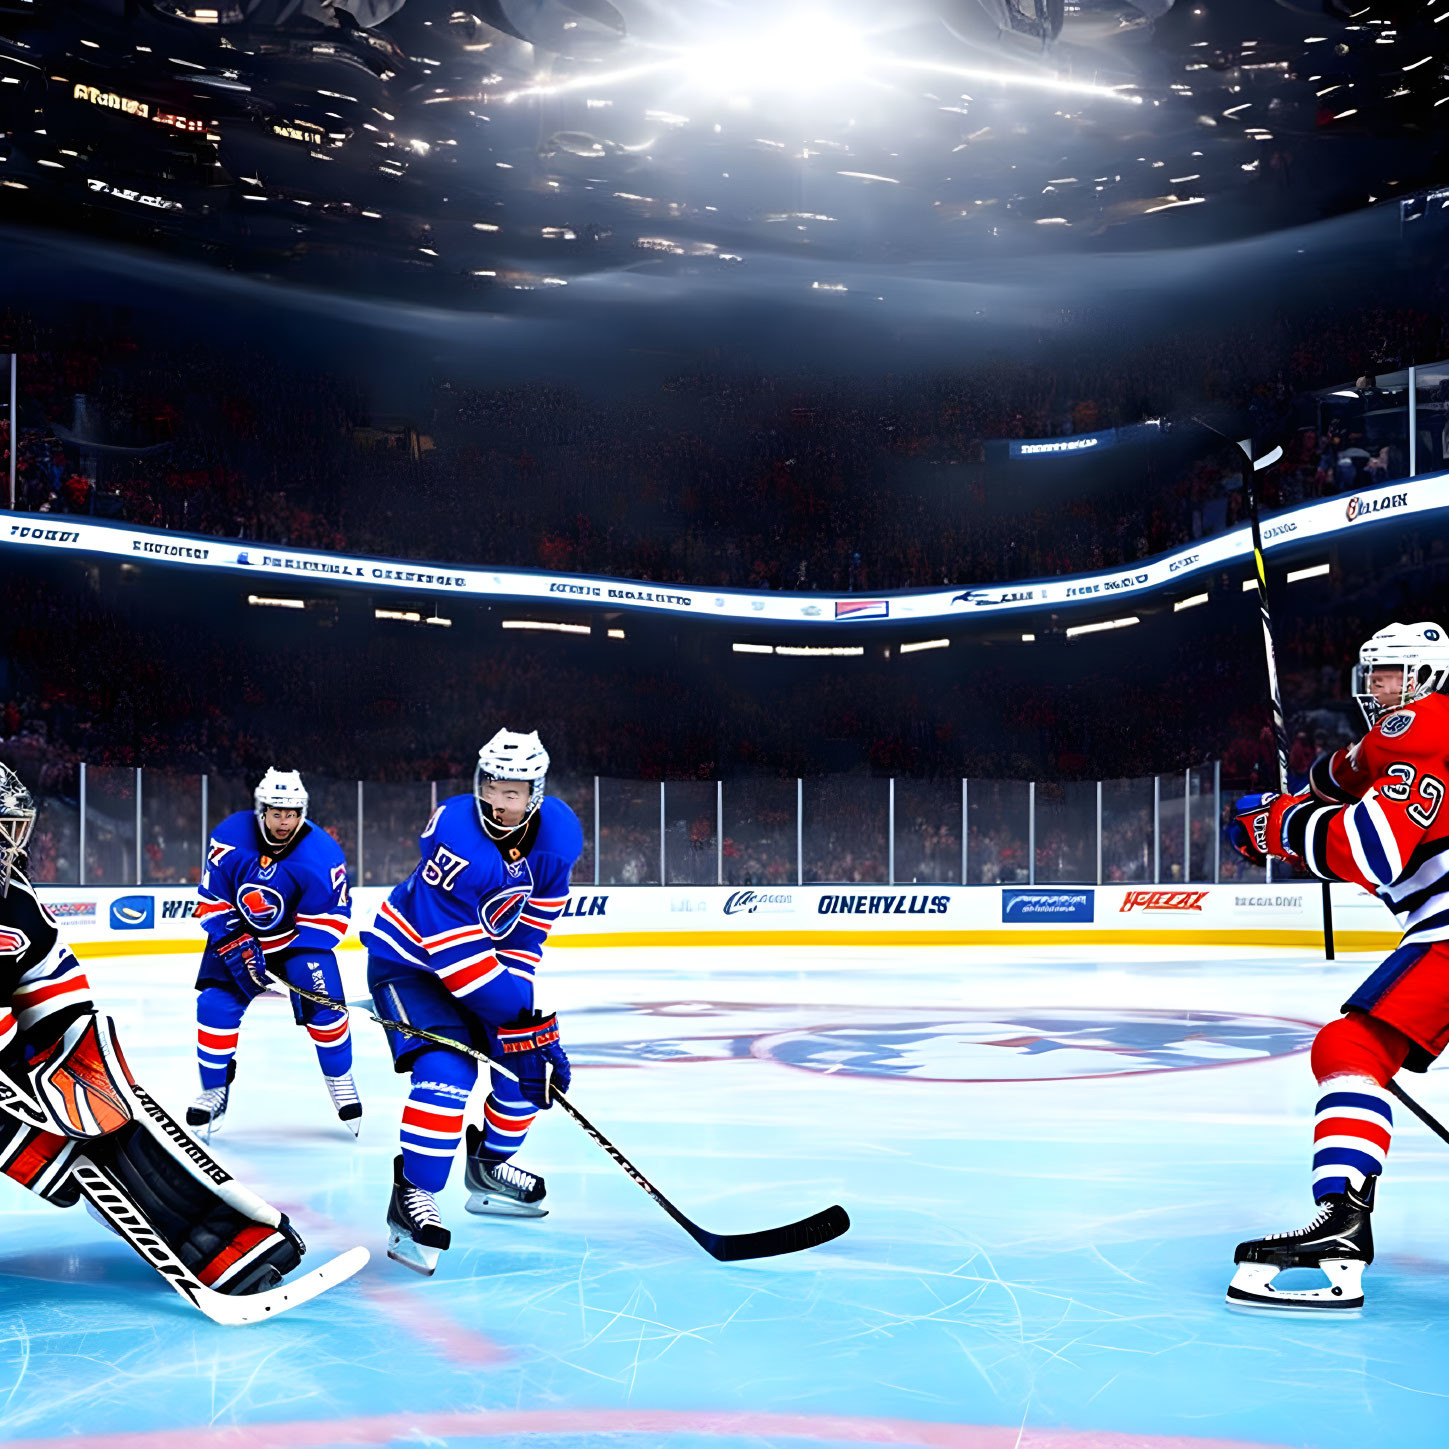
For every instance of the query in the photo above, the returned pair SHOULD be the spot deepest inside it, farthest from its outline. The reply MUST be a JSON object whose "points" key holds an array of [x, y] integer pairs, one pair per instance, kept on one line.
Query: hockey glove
{"points": [[1257, 828], [529, 1048], [241, 953]]}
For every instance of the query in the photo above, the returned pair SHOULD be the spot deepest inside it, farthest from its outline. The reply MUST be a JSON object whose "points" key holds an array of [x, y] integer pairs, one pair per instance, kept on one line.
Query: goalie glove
{"points": [[241, 953], [529, 1048]]}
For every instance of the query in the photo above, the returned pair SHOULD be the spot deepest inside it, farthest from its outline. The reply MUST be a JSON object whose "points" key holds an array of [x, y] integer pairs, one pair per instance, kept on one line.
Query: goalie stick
{"points": [[115, 1207], [795, 1237]]}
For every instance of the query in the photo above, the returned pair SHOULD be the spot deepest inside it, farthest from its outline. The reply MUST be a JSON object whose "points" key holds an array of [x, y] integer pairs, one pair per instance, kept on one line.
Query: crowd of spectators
{"points": [[151, 679], [762, 481]]}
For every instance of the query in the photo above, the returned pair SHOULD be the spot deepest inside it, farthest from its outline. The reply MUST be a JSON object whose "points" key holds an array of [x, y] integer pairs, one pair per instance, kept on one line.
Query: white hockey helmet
{"points": [[17, 820], [1421, 650], [280, 790], [510, 756]]}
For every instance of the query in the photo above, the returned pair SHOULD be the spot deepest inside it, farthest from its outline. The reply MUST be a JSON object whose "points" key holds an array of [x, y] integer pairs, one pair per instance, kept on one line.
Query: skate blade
{"points": [[353, 1125], [402, 1249], [483, 1205], [1252, 1288]]}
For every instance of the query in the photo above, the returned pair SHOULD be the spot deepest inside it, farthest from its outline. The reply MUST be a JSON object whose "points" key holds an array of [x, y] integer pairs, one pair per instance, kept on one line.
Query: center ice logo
{"points": [[943, 1045], [260, 904]]}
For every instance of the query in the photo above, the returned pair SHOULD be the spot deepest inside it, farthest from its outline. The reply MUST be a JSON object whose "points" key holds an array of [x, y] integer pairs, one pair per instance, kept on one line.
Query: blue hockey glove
{"points": [[241, 953], [529, 1048]]}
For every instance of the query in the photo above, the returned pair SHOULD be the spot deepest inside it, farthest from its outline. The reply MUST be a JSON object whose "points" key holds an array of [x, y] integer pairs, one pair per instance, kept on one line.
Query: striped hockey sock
{"points": [[505, 1121], [332, 1036], [218, 1022], [1350, 1134], [432, 1125]]}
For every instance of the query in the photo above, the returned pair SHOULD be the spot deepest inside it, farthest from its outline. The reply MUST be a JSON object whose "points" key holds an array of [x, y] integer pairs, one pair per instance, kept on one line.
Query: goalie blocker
{"points": [[229, 1239]]}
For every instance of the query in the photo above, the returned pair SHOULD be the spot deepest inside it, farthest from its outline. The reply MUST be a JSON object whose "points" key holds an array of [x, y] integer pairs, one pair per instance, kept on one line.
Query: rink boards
{"points": [[139, 920]]}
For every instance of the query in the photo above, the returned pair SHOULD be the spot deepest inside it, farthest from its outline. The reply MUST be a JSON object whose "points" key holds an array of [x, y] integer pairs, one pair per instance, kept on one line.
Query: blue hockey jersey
{"points": [[468, 915], [298, 903]]}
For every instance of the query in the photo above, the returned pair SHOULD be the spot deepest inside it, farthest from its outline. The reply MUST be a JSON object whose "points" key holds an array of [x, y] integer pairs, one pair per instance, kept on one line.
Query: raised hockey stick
{"points": [[809, 1232], [115, 1207], [1280, 728]]}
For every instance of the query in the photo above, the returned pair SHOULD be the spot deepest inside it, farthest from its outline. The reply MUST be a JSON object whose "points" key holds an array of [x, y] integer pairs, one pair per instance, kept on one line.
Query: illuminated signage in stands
{"points": [[1418, 497], [110, 101], [300, 131]]}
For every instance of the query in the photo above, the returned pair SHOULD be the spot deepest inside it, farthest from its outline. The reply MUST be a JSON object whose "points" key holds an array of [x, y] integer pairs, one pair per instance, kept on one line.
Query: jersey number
{"points": [[444, 868], [1431, 792]]}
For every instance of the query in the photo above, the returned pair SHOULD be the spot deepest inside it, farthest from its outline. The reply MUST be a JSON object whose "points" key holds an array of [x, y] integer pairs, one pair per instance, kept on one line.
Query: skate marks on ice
{"points": [[1040, 1258]]}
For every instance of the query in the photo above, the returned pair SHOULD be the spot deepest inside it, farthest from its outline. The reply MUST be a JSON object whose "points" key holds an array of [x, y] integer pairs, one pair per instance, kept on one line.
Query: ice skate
{"points": [[415, 1232], [344, 1096], [497, 1188], [206, 1112], [1339, 1242]]}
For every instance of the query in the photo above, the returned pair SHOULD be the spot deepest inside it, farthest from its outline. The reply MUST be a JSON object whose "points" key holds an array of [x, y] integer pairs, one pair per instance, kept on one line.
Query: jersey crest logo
{"points": [[13, 941], [1396, 725], [261, 905], [500, 912], [216, 851], [269, 868]]}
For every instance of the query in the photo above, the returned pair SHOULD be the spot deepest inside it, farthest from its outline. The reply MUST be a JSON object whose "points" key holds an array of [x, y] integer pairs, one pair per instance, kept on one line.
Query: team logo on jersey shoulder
{"points": [[1396, 725], [216, 851], [260, 904], [339, 876], [13, 941]]}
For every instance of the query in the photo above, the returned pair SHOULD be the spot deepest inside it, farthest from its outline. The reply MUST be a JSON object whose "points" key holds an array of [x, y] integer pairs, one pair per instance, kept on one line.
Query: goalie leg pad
{"points": [[83, 1081], [227, 1250], [38, 1160]]}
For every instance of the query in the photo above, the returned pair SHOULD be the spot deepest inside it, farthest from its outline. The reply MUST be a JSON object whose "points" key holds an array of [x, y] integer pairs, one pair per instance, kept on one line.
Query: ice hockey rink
{"points": [[1047, 1158]]}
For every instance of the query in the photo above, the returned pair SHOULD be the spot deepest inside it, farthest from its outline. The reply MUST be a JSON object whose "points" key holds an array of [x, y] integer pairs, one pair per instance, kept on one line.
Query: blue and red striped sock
{"points": [[1351, 1134]]}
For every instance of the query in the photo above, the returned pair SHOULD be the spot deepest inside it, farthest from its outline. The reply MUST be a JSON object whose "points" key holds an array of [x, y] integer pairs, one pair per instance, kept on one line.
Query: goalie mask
{"points": [[280, 790], [17, 820], [1420, 650], [515, 757]]}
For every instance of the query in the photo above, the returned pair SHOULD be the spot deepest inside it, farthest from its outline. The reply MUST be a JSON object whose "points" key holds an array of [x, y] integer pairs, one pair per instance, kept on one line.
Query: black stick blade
{"points": [[809, 1232]]}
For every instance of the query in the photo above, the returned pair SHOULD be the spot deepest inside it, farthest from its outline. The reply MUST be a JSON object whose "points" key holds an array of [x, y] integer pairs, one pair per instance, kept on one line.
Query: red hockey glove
{"points": [[1257, 828]]}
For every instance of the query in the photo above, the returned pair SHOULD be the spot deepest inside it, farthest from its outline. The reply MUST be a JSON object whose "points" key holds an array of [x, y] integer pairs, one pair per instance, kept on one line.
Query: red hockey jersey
{"points": [[1375, 814]]}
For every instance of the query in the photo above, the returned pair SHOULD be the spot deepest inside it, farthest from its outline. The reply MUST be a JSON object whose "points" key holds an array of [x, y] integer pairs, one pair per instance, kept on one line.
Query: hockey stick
{"points": [[809, 1232], [1280, 727], [116, 1209]]}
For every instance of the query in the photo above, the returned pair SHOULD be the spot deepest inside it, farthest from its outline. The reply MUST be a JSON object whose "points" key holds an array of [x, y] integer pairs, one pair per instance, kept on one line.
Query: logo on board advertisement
{"points": [[1035, 905], [862, 608], [1268, 903], [750, 902], [1163, 901], [72, 910], [875, 904], [583, 905], [133, 913]]}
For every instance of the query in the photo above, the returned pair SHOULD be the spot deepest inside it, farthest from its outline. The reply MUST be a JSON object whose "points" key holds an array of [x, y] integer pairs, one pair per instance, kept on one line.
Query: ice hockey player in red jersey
{"points": [[1373, 813], [74, 1122]]}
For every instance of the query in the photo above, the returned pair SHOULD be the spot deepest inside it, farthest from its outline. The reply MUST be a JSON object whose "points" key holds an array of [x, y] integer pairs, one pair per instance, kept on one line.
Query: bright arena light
{"points": [[802, 55]]}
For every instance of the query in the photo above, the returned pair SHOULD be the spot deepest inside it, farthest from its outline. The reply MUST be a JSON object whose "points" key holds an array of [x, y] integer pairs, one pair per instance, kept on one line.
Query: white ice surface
{"points": [[1042, 1250]]}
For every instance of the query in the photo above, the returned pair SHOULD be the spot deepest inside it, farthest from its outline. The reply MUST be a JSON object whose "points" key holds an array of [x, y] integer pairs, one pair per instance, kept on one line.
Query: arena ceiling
{"points": [[479, 151]]}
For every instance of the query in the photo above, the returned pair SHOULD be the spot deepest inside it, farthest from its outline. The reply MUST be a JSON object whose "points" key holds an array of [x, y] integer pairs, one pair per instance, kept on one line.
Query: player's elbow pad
{"points": [[1324, 786]]}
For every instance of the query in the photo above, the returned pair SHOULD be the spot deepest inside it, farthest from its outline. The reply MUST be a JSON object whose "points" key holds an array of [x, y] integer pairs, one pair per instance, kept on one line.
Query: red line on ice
{"points": [[838, 1429]]}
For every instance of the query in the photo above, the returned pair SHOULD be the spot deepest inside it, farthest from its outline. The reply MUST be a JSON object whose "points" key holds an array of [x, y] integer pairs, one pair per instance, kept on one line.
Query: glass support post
{"points": [[891, 832], [1031, 832]]}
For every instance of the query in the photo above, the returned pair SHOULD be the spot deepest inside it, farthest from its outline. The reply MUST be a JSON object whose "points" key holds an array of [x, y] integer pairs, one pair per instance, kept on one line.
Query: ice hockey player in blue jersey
{"points": [[274, 898], [453, 950]]}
